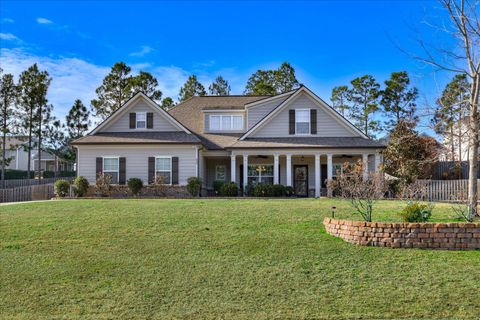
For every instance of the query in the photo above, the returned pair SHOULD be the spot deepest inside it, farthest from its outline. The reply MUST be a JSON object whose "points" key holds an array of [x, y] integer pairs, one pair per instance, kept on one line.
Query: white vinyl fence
{"points": [[446, 190]]}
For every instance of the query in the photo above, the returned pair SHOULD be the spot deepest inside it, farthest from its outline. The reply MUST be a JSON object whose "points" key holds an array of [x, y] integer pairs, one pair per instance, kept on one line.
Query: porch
{"points": [[306, 171]]}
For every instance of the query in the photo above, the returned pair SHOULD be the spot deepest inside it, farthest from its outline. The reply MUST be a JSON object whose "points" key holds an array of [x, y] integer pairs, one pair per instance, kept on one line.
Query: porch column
{"points": [[276, 172], [365, 166], [329, 172], [378, 161], [289, 170], [245, 172], [233, 168], [318, 178]]}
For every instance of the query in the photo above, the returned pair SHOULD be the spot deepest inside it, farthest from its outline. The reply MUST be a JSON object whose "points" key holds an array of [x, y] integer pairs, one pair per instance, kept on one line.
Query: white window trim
{"points": [[136, 120], [164, 157], [231, 116], [224, 172], [107, 171], [309, 123], [260, 174]]}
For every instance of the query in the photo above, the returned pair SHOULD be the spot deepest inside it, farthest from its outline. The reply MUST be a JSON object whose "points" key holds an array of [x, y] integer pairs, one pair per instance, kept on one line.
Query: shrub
{"points": [[249, 190], [48, 174], [103, 184], [217, 185], [263, 190], [193, 186], [229, 189], [289, 191], [135, 185], [80, 186], [279, 190], [18, 174], [416, 212], [61, 188]]}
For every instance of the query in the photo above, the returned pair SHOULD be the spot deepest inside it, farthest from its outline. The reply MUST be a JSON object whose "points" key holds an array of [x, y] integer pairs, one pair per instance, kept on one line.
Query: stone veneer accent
{"points": [[449, 236]]}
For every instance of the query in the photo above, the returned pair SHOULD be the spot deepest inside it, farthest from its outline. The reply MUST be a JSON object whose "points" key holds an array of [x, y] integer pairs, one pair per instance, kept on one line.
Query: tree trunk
{"points": [[29, 161], [40, 146], [4, 152], [473, 147]]}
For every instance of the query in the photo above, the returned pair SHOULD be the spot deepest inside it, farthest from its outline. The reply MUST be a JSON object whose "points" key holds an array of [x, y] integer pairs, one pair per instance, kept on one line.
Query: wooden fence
{"points": [[15, 183], [446, 190], [27, 193]]}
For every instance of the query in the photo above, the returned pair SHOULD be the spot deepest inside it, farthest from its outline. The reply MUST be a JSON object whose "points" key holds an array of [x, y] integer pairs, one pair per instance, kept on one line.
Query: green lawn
{"points": [[228, 259]]}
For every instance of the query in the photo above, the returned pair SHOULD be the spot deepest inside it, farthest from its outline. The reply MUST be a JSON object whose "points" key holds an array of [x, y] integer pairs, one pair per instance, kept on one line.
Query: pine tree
{"points": [[43, 118], [77, 120], [272, 82], [8, 97], [364, 95], [340, 96], [219, 87], [115, 90], [398, 99], [56, 142], [167, 103], [191, 88], [148, 84], [33, 86], [285, 79]]}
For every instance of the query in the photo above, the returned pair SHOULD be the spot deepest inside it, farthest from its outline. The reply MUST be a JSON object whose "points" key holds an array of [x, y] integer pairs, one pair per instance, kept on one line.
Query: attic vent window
{"points": [[141, 120]]}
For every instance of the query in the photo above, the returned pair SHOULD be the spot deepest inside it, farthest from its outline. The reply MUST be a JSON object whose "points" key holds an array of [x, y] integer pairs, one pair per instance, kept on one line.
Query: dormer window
{"points": [[141, 120], [302, 121], [226, 122]]}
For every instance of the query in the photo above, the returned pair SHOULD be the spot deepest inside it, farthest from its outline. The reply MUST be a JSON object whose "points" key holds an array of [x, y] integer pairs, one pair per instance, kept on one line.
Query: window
{"points": [[226, 122], [220, 173], [163, 169], [141, 120], [260, 173], [110, 167], [302, 121], [336, 168]]}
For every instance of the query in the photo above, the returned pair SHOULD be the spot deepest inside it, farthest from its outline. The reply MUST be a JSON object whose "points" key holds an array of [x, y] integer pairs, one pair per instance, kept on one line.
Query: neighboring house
{"points": [[294, 139], [16, 152]]}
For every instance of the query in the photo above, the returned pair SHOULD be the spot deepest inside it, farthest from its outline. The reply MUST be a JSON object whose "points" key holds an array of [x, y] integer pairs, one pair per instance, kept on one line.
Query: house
{"points": [[16, 152], [294, 139]]}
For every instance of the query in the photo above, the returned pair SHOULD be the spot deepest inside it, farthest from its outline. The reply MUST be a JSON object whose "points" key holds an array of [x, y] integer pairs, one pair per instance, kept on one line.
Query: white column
{"points": [[365, 165], [245, 171], [276, 171], [233, 168], [318, 178], [289, 170], [329, 172], [378, 161]]}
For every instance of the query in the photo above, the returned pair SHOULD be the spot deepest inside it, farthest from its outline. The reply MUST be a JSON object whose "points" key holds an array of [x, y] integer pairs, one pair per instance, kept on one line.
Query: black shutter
{"points": [[313, 121], [133, 120], [174, 170], [151, 170], [149, 120], [291, 121], [122, 176], [99, 162]]}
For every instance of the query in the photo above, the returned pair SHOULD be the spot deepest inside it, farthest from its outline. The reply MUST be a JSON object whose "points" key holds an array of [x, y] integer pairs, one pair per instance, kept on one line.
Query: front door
{"points": [[300, 183]]}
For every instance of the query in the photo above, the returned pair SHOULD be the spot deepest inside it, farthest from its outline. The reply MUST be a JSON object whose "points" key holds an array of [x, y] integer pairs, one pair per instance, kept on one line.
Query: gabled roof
{"points": [[131, 102], [317, 99]]}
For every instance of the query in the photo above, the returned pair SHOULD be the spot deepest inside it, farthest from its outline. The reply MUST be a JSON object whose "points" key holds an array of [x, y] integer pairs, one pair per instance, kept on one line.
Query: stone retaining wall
{"points": [[449, 236]]}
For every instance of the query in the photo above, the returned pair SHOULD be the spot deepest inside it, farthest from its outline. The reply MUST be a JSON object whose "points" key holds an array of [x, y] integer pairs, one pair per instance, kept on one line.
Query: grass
{"points": [[212, 259]]}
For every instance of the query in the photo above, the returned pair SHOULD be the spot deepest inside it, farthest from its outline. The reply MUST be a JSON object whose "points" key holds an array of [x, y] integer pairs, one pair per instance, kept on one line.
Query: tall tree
{"points": [[56, 142], [43, 118], [451, 112], [219, 87], [399, 99], [8, 96], [167, 103], [77, 120], [271, 82], [340, 96], [364, 96], [33, 86], [115, 90], [463, 58], [191, 88], [148, 84]]}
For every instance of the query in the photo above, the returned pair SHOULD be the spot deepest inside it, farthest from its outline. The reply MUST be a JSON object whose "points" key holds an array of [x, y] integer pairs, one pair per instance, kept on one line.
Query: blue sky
{"points": [[328, 43]]}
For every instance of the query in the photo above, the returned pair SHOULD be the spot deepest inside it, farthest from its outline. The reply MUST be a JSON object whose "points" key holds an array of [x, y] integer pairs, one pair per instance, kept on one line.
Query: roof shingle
{"points": [[178, 137]]}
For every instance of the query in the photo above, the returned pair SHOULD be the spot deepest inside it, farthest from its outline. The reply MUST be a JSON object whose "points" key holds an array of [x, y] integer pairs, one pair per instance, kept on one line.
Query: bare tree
{"points": [[464, 58]]}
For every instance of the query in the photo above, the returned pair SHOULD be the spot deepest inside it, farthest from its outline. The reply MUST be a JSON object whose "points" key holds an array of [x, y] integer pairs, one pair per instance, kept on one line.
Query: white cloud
{"points": [[8, 36], [43, 20], [170, 79], [7, 20], [143, 51]]}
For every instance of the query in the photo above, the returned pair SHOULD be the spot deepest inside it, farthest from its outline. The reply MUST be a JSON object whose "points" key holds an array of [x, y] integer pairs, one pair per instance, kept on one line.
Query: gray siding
{"points": [[258, 112], [137, 159], [122, 123], [327, 125]]}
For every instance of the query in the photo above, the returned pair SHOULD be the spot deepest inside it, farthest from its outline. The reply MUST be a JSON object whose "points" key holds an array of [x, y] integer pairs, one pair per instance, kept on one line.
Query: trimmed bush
{"points": [[18, 174], [193, 186], [61, 188], [229, 190], [279, 190], [135, 185], [289, 191], [80, 186], [48, 174], [263, 190], [416, 212], [217, 185], [249, 190]]}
